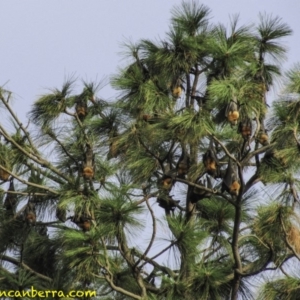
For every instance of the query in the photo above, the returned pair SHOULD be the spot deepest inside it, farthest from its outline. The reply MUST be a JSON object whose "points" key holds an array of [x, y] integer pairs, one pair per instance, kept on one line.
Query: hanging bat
{"points": [[167, 202], [210, 161], [177, 91], [263, 138], [82, 221], [61, 214], [165, 182], [88, 169], [146, 117], [151, 119], [81, 108], [232, 112], [245, 128], [11, 199], [4, 175], [183, 163], [177, 88], [199, 194], [29, 214], [231, 181]]}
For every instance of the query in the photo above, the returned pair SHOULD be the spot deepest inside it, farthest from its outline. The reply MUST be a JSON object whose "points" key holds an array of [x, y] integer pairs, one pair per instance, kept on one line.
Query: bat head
{"points": [[88, 172], [263, 139], [177, 91], [85, 225], [4, 175], [233, 117], [30, 218], [234, 188]]}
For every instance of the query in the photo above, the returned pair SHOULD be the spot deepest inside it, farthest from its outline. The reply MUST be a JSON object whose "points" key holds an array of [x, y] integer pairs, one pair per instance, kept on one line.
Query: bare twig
{"points": [[149, 151], [226, 150], [256, 152], [161, 252], [153, 234], [64, 149]]}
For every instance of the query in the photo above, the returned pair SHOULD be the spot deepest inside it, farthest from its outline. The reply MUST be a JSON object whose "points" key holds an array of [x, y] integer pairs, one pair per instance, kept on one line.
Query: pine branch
{"points": [[195, 83], [29, 183], [216, 192], [294, 193], [123, 247], [188, 90], [235, 239], [226, 150], [109, 275], [286, 240], [252, 181], [295, 137], [82, 129], [18, 122], [256, 152], [38, 159], [161, 252], [164, 269], [26, 267], [52, 135], [153, 233], [141, 284], [23, 193], [110, 281], [262, 268], [31, 166], [150, 152]]}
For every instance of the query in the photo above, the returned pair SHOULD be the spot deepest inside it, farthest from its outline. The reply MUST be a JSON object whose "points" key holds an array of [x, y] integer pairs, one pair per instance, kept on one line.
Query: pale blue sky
{"points": [[43, 42]]}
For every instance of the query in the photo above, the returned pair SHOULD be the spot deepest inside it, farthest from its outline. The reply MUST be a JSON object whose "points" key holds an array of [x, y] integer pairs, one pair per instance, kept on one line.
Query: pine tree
{"points": [[190, 162]]}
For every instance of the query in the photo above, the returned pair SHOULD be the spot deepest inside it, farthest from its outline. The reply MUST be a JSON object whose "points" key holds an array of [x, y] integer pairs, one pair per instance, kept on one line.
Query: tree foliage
{"points": [[184, 187]]}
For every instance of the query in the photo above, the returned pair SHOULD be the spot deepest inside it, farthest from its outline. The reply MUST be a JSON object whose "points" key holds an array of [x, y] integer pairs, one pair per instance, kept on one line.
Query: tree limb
{"points": [[153, 233], [29, 183], [26, 267], [39, 160]]}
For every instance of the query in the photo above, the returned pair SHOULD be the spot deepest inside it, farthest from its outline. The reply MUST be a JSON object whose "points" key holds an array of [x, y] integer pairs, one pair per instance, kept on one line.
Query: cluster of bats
{"points": [[212, 166], [229, 175], [245, 125], [230, 180], [28, 214]]}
